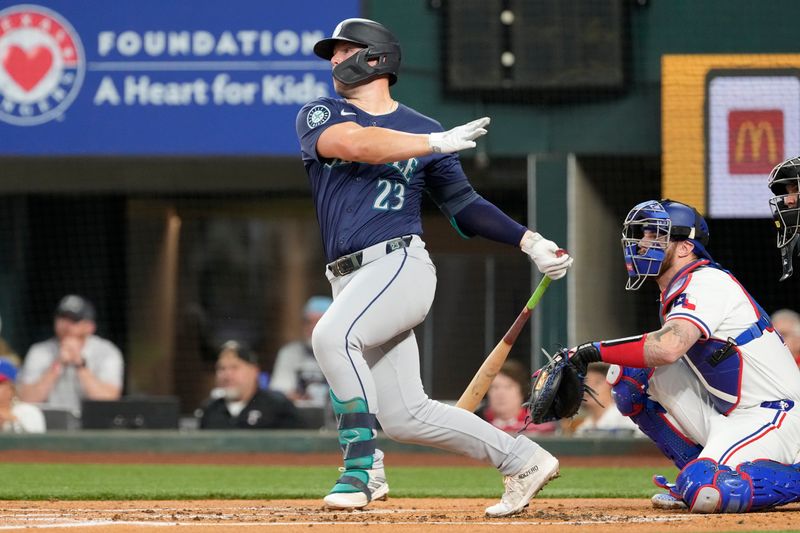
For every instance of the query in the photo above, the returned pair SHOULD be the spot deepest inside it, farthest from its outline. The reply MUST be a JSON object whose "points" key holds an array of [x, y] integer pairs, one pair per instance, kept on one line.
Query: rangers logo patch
{"points": [[318, 115], [685, 301], [41, 65]]}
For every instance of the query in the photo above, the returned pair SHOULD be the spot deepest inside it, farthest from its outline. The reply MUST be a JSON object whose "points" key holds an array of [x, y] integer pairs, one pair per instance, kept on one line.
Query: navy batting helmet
{"points": [[379, 45]]}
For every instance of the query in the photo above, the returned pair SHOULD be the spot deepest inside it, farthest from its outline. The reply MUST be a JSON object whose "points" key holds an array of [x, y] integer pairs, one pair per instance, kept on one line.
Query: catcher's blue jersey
{"points": [[359, 204]]}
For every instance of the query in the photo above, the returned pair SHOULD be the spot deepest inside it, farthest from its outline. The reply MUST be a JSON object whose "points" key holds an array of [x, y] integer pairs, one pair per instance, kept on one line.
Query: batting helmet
{"points": [[379, 45], [649, 228]]}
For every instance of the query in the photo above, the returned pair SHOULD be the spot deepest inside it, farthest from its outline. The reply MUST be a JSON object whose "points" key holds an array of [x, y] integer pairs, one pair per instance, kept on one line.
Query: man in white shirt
{"points": [[73, 365]]}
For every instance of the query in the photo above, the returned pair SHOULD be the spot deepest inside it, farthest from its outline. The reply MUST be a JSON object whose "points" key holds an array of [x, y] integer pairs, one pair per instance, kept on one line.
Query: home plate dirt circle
{"points": [[397, 515]]}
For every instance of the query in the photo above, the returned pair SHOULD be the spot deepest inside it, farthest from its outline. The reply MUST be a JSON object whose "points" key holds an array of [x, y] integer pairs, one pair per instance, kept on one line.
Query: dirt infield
{"points": [[397, 515], [393, 516]]}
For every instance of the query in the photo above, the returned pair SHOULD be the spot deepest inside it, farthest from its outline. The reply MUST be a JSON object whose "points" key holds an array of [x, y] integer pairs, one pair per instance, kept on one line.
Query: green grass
{"points": [[145, 482]]}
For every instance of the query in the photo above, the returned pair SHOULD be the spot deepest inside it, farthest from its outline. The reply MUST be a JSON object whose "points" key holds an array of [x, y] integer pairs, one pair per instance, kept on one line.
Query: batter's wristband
{"points": [[624, 352]]}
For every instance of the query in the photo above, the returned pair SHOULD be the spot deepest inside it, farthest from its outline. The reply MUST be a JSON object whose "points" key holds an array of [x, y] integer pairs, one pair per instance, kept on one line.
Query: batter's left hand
{"points": [[548, 257]]}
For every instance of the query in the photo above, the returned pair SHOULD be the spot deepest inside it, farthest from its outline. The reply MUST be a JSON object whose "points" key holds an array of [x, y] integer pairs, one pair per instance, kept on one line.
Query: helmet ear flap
{"points": [[357, 69]]}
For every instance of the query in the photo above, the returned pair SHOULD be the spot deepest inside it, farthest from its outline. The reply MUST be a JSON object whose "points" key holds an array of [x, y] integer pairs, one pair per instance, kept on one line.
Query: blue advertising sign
{"points": [[148, 77]]}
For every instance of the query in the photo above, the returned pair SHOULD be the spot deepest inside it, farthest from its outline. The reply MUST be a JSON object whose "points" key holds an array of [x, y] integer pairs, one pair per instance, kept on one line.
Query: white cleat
{"points": [[377, 486], [358, 500], [525, 484], [666, 501]]}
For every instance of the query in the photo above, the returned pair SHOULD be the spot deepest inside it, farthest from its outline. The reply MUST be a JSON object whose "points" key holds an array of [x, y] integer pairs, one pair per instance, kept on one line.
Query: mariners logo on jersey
{"points": [[405, 168], [317, 116], [685, 301], [41, 65]]}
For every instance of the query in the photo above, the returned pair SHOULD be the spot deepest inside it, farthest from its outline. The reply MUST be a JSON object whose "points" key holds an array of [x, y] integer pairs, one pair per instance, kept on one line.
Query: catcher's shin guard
{"points": [[773, 483], [357, 440], [708, 487], [629, 389]]}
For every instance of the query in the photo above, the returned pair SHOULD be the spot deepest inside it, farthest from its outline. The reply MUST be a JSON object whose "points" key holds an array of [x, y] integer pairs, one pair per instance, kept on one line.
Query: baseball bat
{"points": [[480, 383]]}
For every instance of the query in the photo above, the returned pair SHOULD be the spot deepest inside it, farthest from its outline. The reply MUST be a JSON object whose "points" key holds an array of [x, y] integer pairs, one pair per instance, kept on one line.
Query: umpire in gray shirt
{"points": [[73, 365]]}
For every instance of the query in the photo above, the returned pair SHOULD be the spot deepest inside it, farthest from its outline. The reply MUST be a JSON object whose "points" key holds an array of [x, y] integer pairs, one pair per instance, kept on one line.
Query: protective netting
{"points": [[617, 102]]}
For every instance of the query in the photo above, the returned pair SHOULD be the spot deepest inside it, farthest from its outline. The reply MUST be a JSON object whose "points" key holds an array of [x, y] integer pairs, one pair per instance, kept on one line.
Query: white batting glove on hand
{"points": [[544, 254], [459, 138]]}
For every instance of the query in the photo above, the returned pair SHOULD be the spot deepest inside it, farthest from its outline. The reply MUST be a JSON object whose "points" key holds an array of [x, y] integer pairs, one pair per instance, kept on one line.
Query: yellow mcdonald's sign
{"points": [[756, 133]]}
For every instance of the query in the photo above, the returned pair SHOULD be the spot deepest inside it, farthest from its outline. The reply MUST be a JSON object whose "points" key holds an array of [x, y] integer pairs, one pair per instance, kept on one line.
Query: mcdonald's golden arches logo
{"points": [[755, 141]]}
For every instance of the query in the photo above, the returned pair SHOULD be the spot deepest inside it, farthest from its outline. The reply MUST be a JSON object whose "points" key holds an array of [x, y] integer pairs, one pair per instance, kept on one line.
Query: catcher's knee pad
{"points": [[356, 427], [772, 483], [708, 487], [629, 389]]}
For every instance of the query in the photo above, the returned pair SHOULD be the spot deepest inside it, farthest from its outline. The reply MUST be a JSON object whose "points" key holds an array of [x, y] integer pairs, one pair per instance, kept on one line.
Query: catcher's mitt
{"points": [[557, 390]]}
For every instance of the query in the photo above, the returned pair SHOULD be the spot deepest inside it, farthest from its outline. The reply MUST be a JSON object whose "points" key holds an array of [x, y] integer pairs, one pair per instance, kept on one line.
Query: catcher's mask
{"points": [[379, 45], [647, 232], [784, 182]]}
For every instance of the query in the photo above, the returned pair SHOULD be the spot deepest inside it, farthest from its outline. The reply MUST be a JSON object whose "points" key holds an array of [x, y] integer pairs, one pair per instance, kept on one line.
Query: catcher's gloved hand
{"points": [[459, 138], [558, 389], [544, 253], [581, 356]]}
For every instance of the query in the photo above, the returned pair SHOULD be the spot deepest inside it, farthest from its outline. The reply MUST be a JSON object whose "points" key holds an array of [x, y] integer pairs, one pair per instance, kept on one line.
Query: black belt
{"points": [[348, 264]]}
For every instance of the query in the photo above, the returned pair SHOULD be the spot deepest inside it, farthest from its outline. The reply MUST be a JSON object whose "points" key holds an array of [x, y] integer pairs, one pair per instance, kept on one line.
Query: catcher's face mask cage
{"points": [[645, 238], [784, 181]]}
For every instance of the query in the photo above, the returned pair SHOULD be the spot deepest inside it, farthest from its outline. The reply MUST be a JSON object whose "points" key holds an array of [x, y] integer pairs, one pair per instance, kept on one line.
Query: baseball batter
{"points": [[369, 160], [715, 388]]}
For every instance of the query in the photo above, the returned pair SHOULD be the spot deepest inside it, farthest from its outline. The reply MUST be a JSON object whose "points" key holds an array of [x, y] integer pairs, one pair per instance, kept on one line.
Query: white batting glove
{"points": [[459, 138], [543, 253]]}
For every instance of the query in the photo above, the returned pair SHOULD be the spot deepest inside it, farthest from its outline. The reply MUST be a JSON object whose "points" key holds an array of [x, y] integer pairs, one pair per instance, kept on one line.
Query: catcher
{"points": [[715, 388]]}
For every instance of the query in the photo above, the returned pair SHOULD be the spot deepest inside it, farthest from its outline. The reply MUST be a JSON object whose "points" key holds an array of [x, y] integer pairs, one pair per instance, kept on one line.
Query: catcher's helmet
{"points": [[379, 44], [784, 182], [649, 228]]}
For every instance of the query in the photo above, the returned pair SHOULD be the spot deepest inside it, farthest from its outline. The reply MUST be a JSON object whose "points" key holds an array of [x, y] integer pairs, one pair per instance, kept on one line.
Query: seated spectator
{"points": [[605, 419], [787, 324], [240, 403], [73, 365], [508, 391], [16, 416], [296, 372]]}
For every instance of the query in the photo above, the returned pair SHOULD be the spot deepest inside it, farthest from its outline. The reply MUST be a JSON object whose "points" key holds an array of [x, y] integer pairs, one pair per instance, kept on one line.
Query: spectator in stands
{"points": [[605, 419], [787, 323], [296, 372], [503, 409], [240, 403], [16, 416], [73, 365]]}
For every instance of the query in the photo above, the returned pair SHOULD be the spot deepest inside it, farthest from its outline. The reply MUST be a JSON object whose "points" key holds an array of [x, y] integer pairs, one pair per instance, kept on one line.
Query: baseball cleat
{"points": [[667, 501], [525, 484], [377, 486]]}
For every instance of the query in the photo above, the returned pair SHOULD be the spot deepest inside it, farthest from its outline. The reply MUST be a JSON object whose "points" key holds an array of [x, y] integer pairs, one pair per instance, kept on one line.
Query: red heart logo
{"points": [[27, 68]]}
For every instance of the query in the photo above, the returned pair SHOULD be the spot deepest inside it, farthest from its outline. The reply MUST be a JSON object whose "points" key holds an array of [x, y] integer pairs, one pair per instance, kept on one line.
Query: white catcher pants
{"points": [[746, 434]]}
